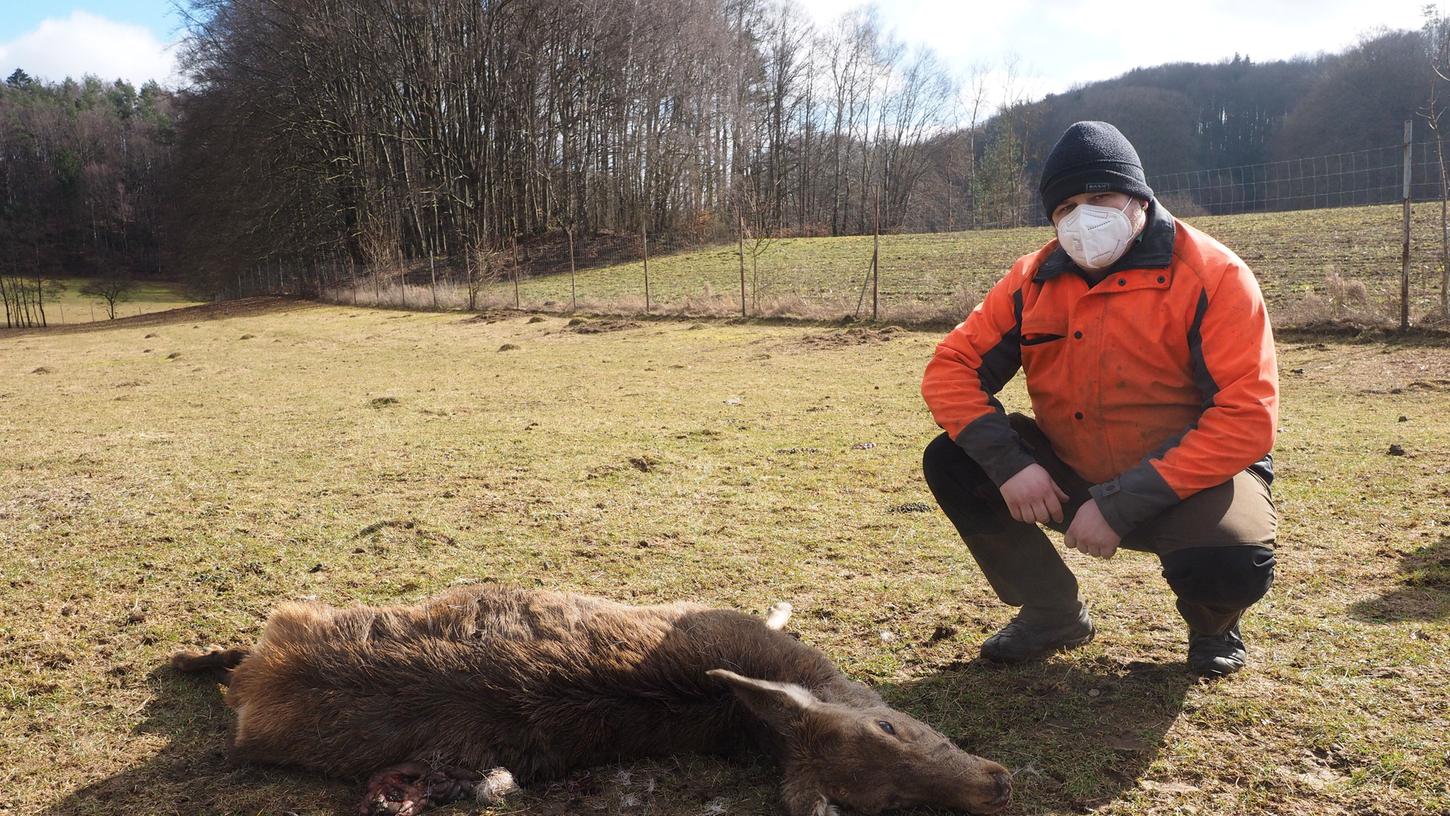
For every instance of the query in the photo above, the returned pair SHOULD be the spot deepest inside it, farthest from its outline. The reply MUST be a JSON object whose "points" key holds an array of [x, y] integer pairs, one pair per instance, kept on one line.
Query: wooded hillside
{"points": [[323, 136]]}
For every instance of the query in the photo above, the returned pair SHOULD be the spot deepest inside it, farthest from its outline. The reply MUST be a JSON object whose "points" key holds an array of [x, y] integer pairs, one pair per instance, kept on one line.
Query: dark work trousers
{"points": [[1216, 547]]}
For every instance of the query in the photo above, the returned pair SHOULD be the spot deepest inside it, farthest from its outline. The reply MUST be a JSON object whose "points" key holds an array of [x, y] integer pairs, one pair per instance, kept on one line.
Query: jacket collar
{"points": [[1152, 249]]}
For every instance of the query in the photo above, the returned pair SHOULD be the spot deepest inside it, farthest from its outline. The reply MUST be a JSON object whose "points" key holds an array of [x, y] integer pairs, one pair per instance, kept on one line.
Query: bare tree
{"points": [[112, 290]]}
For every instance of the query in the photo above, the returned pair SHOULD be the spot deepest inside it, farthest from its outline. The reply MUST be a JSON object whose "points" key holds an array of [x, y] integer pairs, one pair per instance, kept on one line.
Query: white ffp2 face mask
{"points": [[1094, 236]]}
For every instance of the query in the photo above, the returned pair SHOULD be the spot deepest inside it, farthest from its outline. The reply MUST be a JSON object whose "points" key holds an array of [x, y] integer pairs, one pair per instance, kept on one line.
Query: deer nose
{"points": [[1004, 789]]}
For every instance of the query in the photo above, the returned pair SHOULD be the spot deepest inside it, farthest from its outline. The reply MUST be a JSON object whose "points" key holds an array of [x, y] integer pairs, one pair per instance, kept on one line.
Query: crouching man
{"points": [[1150, 365]]}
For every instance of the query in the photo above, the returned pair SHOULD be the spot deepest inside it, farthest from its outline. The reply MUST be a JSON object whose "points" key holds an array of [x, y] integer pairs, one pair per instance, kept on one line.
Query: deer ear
{"points": [[776, 703]]}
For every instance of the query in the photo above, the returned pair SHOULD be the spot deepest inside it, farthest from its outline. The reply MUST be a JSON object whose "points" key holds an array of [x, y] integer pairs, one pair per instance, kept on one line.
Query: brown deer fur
{"points": [[544, 682]]}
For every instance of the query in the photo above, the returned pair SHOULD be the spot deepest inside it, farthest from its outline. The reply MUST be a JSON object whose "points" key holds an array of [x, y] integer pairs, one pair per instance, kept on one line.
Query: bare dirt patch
{"points": [[846, 338], [484, 317], [581, 325], [1370, 367]]}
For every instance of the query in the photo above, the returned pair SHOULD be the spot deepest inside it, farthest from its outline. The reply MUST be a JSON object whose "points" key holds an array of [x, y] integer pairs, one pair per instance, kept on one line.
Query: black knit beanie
{"points": [[1091, 157]]}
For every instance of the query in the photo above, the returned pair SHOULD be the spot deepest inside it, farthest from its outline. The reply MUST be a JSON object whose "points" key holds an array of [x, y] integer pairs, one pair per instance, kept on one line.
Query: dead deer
{"points": [[420, 698]]}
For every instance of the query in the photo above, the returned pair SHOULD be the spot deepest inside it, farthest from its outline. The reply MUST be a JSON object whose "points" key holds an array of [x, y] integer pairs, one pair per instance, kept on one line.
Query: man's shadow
{"points": [[1075, 735], [191, 773], [1421, 593]]}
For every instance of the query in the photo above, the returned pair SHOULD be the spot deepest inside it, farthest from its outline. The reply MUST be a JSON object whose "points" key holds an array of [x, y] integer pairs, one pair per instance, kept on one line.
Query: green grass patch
{"points": [[1312, 264], [69, 306]]}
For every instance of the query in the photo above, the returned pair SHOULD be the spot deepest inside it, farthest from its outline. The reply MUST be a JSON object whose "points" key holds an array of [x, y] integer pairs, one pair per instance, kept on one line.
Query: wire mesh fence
{"points": [[1324, 235], [1373, 176]]}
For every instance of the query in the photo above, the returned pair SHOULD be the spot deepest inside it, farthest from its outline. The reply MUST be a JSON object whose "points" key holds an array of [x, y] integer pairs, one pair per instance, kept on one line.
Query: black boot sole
{"points": [[1012, 660]]}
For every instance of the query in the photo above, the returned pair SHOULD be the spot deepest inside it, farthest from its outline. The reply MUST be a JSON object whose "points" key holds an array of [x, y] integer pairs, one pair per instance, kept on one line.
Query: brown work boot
{"points": [[1038, 632]]}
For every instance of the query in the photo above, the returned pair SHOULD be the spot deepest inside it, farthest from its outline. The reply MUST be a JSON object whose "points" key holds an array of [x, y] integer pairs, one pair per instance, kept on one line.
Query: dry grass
{"points": [[149, 503]]}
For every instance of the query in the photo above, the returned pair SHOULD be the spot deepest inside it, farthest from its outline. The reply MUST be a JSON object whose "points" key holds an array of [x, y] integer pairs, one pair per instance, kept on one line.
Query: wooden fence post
{"points": [[740, 237], [876, 262], [573, 289], [1405, 250]]}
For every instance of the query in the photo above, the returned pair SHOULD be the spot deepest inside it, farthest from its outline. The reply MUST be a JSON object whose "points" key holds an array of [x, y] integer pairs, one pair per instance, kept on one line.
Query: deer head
{"points": [[867, 759]]}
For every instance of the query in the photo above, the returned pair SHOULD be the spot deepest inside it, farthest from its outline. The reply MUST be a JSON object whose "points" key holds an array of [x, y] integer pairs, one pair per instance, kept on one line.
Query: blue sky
{"points": [[19, 17], [126, 39], [1050, 44]]}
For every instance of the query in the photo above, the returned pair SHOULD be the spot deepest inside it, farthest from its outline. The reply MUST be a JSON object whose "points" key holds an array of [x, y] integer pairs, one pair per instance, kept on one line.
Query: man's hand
{"points": [[1091, 534], [1032, 496]]}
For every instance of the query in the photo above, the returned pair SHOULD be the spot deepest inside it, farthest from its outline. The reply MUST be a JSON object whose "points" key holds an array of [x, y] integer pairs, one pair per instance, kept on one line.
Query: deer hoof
{"points": [[413, 787]]}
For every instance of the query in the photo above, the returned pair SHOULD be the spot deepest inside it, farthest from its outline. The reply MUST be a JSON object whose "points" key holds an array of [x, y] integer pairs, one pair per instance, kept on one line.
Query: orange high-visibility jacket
{"points": [[1155, 383]]}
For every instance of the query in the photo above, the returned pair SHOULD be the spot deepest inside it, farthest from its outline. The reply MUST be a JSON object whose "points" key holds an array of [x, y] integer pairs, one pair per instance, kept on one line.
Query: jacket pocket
{"points": [[1042, 343], [1039, 339], [1043, 328]]}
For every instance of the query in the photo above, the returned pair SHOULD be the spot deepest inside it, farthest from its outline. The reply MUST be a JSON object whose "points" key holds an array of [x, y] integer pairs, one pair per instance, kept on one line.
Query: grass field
{"points": [[166, 481], [1299, 258], [70, 306]]}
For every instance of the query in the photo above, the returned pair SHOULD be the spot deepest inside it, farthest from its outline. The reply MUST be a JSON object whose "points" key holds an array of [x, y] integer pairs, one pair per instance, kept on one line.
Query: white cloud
{"points": [[84, 43], [1060, 43]]}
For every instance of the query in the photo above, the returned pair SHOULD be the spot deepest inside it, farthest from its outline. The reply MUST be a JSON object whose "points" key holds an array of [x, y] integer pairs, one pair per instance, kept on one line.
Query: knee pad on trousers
{"points": [[961, 488], [938, 460], [1220, 577]]}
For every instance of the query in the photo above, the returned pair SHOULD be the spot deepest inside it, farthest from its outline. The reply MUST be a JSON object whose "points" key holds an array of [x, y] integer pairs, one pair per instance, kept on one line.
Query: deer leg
{"points": [[215, 662], [410, 788]]}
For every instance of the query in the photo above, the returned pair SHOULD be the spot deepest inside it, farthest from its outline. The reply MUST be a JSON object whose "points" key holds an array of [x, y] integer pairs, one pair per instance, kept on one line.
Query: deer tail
{"points": [[778, 615]]}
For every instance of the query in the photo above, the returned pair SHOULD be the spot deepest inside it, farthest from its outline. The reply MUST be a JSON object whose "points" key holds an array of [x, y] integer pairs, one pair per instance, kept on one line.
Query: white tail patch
{"points": [[496, 784], [243, 710], [778, 615]]}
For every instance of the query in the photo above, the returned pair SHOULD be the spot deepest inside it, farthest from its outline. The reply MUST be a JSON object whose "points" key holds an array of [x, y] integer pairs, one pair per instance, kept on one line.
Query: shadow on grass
{"points": [[191, 773], [244, 307], [1351, 332], [1076, 736], [1421, 593]]}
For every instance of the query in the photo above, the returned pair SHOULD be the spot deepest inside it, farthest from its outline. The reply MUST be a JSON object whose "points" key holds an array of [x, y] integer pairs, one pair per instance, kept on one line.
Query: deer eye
{"points": [[887, 727]]}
